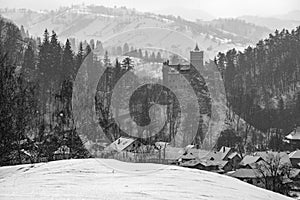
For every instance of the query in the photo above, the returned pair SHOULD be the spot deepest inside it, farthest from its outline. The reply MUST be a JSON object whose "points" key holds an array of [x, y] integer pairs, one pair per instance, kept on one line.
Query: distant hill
{"points": [[293, 15], [240, 28], [273, 23], [101, 23], [189, 14]]}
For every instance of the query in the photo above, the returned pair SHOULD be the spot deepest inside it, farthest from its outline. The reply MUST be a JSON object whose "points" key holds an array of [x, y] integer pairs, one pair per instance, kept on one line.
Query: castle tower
{"points": [[196, 57], [165, 72]]}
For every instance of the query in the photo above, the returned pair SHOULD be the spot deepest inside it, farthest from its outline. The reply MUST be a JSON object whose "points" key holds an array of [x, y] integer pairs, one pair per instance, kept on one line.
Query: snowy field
{"points": [[114, 180]]}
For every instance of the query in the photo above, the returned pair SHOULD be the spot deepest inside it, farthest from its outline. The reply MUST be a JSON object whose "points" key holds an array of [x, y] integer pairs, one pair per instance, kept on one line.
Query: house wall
{"points": [[235, 161], [134, 147], [254, 181], [295, 161], [228, 167]]}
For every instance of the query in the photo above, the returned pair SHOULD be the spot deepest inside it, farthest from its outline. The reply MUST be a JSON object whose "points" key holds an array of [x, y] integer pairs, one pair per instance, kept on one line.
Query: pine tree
{"points": [[119, 51], [23, 33], [68, 66], [29, 58], [158, 57], [140, 54], [106, 60], [146, 57], [125, 48], [44, 56], [92, 44], [99, 47], [55, 68], [127, 64], [152, 57], [79, 56]]}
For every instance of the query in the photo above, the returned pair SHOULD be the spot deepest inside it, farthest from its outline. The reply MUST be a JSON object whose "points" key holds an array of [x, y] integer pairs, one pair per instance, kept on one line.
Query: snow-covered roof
{"points": [[219, 155], [191, 163], [245, 173], [247, 160], [284, 157], [208, 163], [198, 153], [120, 144], [294, 154], [188, 156], [224, 152], [232, 155], [294, 135], [220, 164], [62, 150]]}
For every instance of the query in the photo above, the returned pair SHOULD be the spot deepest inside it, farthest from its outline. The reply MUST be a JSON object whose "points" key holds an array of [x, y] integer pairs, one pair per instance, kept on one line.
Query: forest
{"points": [[38, 74], [37, 80], [262, 85]]}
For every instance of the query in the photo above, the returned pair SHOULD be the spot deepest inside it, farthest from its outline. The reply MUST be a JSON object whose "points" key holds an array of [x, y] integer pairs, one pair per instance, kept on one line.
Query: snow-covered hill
{"points": [[101, 23], [96, 179]]}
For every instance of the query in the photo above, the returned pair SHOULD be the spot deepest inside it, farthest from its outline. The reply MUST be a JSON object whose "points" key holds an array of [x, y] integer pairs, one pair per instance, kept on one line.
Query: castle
{"points": [[174, 74]]}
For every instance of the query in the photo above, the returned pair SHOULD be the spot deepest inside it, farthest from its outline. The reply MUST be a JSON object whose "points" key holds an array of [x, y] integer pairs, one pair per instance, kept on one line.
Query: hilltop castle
{"points": [[174, 74]]}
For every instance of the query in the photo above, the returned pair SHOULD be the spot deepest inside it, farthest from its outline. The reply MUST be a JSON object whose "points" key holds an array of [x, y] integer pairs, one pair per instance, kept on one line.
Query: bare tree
{"points": [[274, 172]]}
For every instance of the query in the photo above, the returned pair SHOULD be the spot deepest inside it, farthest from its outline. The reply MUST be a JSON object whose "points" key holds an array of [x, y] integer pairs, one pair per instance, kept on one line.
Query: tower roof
{"points": [[196, 48]]}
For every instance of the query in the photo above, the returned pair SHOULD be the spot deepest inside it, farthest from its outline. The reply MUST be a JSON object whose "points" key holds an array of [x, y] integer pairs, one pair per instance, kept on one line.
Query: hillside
{"points": [[262, 84], [273, 23], [96, 179], [101, 23]]}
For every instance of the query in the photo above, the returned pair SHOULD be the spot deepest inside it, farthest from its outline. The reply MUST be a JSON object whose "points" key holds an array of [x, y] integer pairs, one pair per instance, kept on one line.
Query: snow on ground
{"points": [[96, 179]]}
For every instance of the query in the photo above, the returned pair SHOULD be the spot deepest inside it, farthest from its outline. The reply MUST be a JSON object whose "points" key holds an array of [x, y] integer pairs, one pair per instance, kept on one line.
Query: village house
{"points": [[252, 176], [250, 161], [220, 161], [295, 158], [224, 154], [63, 152], [255, 177], [123, 144], [293, 138]]}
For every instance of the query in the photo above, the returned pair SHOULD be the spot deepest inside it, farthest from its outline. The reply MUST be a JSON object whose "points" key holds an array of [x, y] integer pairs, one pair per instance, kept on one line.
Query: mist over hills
{"points": [[273, 23], [101, 23]]}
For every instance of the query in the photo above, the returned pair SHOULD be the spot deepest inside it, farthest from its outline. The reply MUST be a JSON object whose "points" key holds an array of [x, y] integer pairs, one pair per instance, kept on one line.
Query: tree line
{"points": [[37, 80], [262, 83], [36, 90]]}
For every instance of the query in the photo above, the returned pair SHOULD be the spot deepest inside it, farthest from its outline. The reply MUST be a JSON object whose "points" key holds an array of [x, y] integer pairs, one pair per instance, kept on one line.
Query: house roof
{"points": [[247, 160], [188, 156], [294, 134], [120, 144], [208, 163], [219, 155], [284, 157], [294, 172], [173, 153], [232, 155], [220, 164], [62, 150], [196, 48], [198, 153], [295, 154], [245, 173], [224, 152], [191, 163]]}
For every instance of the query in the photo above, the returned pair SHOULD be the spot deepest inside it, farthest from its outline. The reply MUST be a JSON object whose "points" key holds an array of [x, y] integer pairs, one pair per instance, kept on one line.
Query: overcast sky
{"points": [[217, 8]]}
